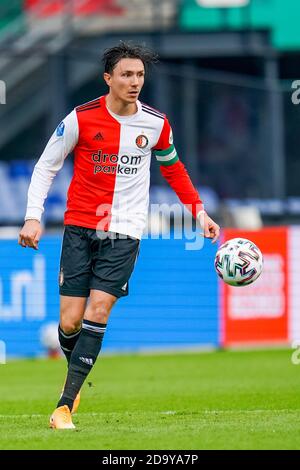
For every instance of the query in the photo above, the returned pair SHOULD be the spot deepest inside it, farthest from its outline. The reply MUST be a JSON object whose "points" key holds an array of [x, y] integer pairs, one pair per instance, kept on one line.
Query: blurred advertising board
{"points": [[259, 313], [173, 301]]}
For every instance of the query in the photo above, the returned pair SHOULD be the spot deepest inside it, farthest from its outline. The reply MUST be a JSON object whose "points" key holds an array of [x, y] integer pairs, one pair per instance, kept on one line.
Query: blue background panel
{"points": [[172, 302]]}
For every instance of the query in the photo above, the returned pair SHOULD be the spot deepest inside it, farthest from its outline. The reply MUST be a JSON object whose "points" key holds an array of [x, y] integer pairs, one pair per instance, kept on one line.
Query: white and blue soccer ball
{"points": [[239, 262]]}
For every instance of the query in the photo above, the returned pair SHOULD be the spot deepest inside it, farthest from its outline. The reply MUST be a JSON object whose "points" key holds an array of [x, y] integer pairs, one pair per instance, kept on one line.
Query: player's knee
{"points": [[100, 312], [69, 326]]}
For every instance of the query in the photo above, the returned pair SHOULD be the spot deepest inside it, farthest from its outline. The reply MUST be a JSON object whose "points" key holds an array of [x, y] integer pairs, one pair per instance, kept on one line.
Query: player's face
{"points": [[126, 80]]}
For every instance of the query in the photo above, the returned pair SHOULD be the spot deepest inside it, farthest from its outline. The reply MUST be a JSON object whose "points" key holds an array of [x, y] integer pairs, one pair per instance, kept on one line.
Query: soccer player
{"points": [[113, 138]]}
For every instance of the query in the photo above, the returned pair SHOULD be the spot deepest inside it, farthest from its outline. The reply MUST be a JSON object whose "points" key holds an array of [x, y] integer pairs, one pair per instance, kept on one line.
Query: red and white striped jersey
{"points": [[110, 186]]}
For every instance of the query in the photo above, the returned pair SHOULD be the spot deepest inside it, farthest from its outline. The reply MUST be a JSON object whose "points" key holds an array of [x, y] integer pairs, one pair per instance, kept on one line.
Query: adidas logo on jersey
{"points": [[98, 136], [87, 360]]}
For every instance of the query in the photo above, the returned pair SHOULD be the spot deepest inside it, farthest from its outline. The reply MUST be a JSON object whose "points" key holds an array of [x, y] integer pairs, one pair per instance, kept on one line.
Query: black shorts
{"points": [[89, 262]]}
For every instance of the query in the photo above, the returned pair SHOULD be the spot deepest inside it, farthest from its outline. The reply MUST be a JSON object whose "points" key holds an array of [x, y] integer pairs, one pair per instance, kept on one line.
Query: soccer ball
{"points": [[239, 262]]}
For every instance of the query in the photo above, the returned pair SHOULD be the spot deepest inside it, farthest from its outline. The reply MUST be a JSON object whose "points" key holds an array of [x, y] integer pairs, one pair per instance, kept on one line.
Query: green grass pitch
{"points": [[212, 400]]}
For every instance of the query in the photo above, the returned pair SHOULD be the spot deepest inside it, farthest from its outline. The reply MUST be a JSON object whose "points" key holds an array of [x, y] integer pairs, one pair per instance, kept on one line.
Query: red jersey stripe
{"points": [[91, 191]]}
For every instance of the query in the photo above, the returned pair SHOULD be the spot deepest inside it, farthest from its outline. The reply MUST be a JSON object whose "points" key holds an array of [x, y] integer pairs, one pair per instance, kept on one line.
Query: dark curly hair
{"points": [[126, 50]]}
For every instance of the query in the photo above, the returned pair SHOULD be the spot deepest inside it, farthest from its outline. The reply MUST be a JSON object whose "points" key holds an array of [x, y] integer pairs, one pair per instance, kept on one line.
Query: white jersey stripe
{"points": [[165, 158], [131, 193]]}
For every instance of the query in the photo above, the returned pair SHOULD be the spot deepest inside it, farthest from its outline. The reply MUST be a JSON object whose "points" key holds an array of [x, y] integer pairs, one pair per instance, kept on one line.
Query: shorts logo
{"points": [[124, 287], [61, 277], [141, 141]]}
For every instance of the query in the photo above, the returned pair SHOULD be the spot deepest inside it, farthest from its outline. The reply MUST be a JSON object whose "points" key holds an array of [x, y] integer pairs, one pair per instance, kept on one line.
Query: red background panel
{"points": [[45, 8], [258, 313]]}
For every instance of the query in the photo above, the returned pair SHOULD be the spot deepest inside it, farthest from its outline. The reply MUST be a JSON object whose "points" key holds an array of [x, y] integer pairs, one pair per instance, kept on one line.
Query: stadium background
{"points": [[225, 81], [228, 83]]}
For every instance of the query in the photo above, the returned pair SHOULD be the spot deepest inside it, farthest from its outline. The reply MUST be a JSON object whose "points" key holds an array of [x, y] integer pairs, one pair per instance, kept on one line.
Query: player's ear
{"points": [[107, 78]]}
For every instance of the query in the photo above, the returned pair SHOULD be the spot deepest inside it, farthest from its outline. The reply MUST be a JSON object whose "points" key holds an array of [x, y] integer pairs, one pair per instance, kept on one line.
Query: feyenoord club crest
{"points": [[141, 141]]}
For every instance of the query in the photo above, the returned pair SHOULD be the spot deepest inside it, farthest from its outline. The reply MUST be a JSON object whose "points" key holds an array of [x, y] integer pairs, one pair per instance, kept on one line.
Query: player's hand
{"points": [[30, 234], [209, 227]]}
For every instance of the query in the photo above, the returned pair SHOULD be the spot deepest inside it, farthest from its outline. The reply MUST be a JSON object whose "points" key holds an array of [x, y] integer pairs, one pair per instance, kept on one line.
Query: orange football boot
{"points": [[76, 403], [61, 418]]}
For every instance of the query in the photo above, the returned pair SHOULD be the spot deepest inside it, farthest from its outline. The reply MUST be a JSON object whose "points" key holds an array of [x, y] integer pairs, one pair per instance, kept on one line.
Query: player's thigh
{"points": [[75, 263], [71, 312]]}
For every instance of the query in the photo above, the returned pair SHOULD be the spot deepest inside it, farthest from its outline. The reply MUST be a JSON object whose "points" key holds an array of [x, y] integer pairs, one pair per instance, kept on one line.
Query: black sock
{"points": [[83, 357], [67, 342]]}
